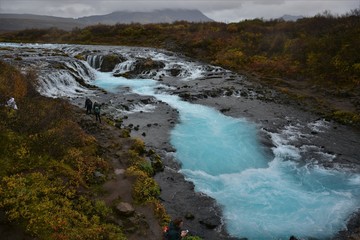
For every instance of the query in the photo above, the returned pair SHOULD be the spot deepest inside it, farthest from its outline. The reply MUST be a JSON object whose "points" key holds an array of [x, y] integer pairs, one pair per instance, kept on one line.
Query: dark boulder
{"points": [[175, 72], [110, 61], [210, 222], [145, 65]]}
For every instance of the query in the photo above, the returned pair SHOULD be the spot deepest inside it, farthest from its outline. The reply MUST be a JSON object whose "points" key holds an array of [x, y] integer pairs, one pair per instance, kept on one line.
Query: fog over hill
{"points": [[287, 17], [158, 16], [16, 22]]}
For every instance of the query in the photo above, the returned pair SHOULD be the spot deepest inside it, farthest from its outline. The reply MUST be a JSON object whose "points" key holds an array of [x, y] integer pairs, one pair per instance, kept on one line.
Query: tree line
{"points": [[319, 53]]}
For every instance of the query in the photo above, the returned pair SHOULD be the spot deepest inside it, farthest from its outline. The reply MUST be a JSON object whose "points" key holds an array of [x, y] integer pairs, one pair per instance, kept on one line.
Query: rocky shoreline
{"points": [[270, 111]]}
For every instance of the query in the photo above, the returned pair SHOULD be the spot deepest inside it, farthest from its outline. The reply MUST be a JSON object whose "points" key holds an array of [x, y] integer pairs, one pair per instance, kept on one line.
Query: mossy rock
{"points": [[109, 62]]}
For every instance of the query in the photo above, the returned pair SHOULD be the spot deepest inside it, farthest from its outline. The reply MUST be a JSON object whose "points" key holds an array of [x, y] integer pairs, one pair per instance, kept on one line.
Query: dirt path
{"points": [[142, 224]]}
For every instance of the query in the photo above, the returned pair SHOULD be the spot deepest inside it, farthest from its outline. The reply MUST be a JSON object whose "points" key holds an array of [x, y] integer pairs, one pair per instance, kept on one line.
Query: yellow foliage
{"points": [[160, 213], [145, 189], [48, 209], [44, 157], [12, 84], [347, 117], [138, 146], [356, 67], [22, 151]]}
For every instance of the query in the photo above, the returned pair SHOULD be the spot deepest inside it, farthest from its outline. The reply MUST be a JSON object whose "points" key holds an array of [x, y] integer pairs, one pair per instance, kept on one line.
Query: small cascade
{"points": [[60, 84], [69, 81], [80, 70], [95, 61], [175, 66], [124, 67]]}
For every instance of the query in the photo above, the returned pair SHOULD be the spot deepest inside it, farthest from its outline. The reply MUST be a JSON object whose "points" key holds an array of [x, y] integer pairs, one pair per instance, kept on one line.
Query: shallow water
{"points": [[262, 198]]}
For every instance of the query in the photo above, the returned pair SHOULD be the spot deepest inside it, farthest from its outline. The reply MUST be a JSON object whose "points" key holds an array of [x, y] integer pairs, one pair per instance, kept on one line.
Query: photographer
{"points": [[174, 231]]}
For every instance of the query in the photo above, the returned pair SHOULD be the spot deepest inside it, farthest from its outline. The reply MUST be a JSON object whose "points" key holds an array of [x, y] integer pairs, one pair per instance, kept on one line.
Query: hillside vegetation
{"points": [[47, 166], [314, 60], [54, 167]]}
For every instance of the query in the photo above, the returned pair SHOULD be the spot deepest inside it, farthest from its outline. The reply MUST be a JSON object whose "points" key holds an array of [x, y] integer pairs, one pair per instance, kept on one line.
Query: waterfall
{"points": [[124, 67], [67, 81], [95, 61]]}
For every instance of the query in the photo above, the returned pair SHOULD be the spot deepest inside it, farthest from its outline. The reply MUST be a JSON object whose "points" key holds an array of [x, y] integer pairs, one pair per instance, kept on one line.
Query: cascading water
{"points": [[95, 61], [262, 199], [62, 82]]}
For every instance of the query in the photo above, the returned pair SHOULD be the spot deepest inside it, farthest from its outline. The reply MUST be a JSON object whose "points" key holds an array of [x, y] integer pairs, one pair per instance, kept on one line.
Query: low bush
{"points": [[47, 163]]}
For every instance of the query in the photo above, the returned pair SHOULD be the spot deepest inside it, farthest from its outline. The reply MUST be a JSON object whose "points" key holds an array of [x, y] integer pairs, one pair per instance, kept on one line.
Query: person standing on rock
{"points": [[88, 105], [174, 230], [11, 104], [96, 110]]}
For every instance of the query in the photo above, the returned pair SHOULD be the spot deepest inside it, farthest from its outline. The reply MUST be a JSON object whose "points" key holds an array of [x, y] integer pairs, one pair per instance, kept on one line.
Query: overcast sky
{"points": [[221, 10]]}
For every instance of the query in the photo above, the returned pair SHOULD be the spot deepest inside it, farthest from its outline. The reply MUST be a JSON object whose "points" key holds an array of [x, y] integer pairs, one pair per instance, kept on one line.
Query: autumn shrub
{"points": [[156, 163], [160, 213], [192, 238], [347, 117], [125, 133], [51, 210], [12, 84], [145, 189], [138, 146], [40, 114], [46, 158]]}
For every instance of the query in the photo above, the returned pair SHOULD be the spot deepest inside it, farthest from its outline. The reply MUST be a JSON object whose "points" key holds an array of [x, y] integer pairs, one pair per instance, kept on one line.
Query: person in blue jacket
{"points": [[96, 110]]}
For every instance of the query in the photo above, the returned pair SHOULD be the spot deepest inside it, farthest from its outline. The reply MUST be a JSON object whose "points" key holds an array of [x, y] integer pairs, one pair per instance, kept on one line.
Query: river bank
{"points": [[321, 142], [270, 111]]}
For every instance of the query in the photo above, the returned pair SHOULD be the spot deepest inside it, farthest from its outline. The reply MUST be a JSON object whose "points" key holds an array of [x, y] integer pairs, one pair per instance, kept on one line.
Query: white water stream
{"points": [[262, 198]]}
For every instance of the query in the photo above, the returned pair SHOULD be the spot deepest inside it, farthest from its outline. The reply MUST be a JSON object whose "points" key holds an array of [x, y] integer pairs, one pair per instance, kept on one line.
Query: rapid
{"points": [[262, 198]]}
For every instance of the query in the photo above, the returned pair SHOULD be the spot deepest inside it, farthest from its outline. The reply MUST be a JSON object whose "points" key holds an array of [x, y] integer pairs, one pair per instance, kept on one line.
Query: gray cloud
{"points": [[225, 10]]}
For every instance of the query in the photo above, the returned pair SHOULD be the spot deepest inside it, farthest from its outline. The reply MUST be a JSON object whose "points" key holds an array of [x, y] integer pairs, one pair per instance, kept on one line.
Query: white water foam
{"points": [[262, 198], [60, 84], [188, 70]]}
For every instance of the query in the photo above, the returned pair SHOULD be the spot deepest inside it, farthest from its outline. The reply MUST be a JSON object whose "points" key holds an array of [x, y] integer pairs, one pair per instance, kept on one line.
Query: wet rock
{"points": [[109, 62], [147, 100], [180, 200], [146, 65], [211, 223], [224, 110], [175, 72], [189, 216]]}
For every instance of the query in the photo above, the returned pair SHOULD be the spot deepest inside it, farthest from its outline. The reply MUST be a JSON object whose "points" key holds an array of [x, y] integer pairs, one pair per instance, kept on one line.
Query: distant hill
{"points": [[291, 17], [158, 16], [17, 22]]}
